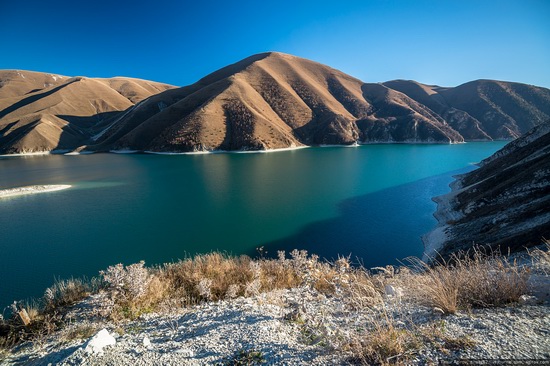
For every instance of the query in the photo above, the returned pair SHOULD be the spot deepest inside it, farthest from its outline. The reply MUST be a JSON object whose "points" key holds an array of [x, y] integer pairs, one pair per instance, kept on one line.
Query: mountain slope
{"points": [[504, 203], [44, 112], [266, 101], [274, 100], [483, 109]]}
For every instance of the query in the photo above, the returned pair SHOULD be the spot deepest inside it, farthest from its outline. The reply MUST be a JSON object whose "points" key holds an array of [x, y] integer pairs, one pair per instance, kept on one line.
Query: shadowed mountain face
{"points": [[266, 101], [504, 203], [44, 112]]}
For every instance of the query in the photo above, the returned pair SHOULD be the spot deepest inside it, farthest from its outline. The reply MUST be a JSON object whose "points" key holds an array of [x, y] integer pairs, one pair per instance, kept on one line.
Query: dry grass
{"points": [[67, 292], [384, 344], [388, 341], [134, 290], [469, 281], [541, 258], [80, 331], [129, 291], [45, 315]]}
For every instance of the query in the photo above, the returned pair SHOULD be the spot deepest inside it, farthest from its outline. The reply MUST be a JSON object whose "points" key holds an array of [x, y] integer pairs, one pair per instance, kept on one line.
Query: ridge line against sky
{"points": [[445, 42]]}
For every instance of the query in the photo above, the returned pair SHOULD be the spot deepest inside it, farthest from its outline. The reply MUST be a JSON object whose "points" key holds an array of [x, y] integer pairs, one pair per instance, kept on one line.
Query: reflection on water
{"points": [[92, 185], [368, 201]]}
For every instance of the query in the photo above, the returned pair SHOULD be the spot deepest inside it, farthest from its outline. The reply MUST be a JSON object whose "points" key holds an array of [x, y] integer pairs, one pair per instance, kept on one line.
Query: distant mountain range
{"points": [[266, 101], [504, 204]]}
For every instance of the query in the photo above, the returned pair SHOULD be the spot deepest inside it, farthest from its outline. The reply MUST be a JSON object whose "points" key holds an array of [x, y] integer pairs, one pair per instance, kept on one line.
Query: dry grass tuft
{"points": [[81, 331], [45, 316], [541, 258], [67, 292], [208, 277], [385, 344], [467, 281]]}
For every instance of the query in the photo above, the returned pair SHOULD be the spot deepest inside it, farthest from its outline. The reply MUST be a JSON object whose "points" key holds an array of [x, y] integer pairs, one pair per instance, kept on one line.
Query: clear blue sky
{"points": [[445, 42]]}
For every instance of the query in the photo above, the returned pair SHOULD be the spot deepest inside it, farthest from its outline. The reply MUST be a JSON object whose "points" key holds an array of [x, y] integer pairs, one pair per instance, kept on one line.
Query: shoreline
{"points": [[207, 152], [292, 148], [27, 190], [435, 239]]}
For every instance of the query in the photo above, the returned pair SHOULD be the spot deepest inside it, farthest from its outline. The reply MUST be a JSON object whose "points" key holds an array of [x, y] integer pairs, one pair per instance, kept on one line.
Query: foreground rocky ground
{"points": [[305, 326]]}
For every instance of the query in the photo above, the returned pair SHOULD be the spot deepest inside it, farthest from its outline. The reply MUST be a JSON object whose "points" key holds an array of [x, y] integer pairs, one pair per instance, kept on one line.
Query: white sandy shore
{"points": [[79, 153], [356, 144], [19, 191], [38, 153], [226, 151]]}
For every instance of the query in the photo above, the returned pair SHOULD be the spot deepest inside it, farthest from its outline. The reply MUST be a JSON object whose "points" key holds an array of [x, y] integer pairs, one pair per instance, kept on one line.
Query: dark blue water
{"points": [[371, 202]]}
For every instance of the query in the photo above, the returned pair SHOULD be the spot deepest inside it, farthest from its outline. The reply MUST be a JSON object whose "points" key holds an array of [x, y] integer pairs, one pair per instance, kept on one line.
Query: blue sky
{"points": [[444, 42]]}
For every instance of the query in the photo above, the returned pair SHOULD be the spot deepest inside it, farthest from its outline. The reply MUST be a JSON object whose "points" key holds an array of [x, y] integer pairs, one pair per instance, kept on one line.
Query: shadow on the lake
{"points": [[377, 229]]}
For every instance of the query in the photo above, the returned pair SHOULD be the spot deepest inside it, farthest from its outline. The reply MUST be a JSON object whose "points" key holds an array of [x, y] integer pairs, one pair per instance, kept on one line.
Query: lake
{"points": [[371, 202]]}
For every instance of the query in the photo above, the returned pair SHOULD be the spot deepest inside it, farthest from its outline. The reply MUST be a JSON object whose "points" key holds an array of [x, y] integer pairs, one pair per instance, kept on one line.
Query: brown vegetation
{"points": [[126, 292], [467, 281]]}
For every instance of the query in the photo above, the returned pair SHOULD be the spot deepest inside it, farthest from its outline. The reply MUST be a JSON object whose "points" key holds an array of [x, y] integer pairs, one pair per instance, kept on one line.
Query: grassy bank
{"points": [[126, 292]]}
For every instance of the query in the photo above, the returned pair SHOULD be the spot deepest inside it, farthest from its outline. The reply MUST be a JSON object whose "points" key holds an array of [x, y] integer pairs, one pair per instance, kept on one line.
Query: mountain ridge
{"points": [[266, 101]]}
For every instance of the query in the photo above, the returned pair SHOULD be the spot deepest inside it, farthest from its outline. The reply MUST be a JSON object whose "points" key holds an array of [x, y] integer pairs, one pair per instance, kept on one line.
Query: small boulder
{"points": [[146, 342], [99, 341]]}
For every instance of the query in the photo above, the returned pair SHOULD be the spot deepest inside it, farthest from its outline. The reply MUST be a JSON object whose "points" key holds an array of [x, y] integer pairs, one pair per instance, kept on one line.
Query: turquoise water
{"points": [[371, 202]]}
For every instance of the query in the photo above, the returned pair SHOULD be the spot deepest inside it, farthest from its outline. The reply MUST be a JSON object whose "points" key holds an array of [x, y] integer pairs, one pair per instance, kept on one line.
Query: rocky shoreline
{"points": [[445, 214], [502, 205]]}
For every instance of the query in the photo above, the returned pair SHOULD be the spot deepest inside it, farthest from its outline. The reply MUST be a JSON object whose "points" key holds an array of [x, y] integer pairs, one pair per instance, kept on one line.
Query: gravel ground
{"points": [[216, 333]]}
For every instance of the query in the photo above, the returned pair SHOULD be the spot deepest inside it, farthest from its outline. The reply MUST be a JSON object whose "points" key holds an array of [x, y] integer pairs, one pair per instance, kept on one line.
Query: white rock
{"points": [[146, 342], [393, 291], [528, 300], [99, 341]]}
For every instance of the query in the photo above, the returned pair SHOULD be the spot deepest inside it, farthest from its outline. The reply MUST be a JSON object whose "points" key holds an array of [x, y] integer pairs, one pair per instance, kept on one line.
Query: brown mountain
{"points": [[502, 204], [273, 100], [266, 101], [483, 109], [44, 112]]}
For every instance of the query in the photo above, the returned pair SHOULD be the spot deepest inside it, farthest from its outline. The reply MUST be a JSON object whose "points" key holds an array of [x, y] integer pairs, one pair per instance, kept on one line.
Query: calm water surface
{"points": [[372, 202]]}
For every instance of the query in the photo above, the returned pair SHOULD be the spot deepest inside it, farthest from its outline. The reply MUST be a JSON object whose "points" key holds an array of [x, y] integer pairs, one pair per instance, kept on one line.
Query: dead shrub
{"points": [[354, 285]]}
